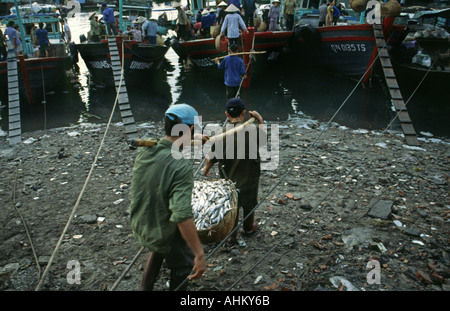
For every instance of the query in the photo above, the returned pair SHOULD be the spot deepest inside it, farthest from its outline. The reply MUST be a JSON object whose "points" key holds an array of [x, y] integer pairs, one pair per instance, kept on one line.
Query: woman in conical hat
{"points": [[232, 23]]}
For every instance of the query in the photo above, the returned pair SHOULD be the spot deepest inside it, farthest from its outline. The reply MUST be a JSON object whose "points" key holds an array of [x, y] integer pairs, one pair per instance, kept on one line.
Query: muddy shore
{"points": [[359, 210]]}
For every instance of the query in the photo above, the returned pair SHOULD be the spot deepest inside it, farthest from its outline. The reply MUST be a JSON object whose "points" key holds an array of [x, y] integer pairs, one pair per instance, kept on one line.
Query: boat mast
{"points": [[120, 15], [22, 30]]}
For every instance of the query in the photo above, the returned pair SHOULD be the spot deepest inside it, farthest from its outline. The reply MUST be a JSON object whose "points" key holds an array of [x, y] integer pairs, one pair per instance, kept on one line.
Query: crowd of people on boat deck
{"points": [[229, 18], [232, 16], [329, 13], [11, 40]]}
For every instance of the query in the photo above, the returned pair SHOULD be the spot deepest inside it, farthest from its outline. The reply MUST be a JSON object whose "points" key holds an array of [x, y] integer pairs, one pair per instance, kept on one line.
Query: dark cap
{"points": [[235, 106]]}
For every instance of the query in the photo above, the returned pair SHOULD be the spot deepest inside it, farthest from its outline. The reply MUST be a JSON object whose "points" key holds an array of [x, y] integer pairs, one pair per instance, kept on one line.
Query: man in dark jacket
{"points": [[249, 11], [243, 164]]}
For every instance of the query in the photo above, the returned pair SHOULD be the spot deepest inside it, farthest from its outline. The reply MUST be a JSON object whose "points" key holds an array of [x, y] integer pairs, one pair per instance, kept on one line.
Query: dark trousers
{"points": [[181, 32], [248, 20], [180, 261], [230, 92], [111, 28], [289, 21], [3, 53]]}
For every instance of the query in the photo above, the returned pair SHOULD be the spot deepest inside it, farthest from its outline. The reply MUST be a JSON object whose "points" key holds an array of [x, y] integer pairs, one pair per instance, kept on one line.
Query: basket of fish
{"points": [[214, 204]]}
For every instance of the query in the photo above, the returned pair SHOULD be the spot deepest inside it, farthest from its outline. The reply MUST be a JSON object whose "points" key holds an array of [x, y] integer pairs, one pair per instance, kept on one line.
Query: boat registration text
{"points": [[103, 64], [349, 47]]}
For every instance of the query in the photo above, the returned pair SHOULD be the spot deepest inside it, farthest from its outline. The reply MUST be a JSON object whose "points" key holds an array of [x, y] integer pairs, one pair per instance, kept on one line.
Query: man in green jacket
{"points": [[160, 211]]}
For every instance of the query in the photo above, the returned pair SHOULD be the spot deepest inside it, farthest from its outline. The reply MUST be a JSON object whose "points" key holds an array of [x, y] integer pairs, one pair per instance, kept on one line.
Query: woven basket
{"points": [[221, 230], [391, 9], [358, 5]]}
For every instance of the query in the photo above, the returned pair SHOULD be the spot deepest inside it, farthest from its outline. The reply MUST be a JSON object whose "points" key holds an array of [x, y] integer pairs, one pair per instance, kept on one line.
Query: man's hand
{"points": [[256, 115], [199, 267]]}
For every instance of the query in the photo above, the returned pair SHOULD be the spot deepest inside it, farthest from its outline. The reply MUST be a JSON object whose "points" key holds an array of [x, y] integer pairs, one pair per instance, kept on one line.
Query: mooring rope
{"points": [[72, 214], [332, 190]]}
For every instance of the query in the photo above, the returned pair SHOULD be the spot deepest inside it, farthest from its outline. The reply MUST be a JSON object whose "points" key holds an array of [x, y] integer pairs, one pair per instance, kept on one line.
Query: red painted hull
{"points": [[345, 49]]}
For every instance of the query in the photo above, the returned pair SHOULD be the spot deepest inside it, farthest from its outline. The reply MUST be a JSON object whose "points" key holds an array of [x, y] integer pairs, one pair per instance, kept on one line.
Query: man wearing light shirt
{"points": [[150, 28], [231, 25]]}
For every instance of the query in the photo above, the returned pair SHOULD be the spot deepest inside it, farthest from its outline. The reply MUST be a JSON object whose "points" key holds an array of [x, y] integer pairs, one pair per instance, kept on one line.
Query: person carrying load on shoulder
{"points": [[234, 72], [241, 165], [231, 24], [161, 213]]}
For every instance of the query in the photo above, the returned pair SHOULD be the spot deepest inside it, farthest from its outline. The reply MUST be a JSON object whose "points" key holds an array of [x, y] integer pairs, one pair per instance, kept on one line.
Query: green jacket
{"points": [[160, 196]]}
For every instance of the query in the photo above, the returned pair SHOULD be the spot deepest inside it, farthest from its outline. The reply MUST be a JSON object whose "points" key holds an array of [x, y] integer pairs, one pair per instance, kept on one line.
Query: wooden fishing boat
{"points": [[201, 52], [37, 74], [349, 50], [425, 52], [140, 58]]}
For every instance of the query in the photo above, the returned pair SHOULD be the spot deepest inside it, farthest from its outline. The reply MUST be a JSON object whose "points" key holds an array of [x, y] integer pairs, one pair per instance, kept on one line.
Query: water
{"points": [[278, 89]]}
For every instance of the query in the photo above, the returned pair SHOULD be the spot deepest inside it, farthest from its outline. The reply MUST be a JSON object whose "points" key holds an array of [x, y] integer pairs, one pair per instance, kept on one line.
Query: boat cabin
{"points": [[52, 23]]}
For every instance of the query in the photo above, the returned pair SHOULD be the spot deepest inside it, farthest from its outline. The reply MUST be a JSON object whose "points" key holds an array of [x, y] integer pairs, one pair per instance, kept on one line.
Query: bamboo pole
{"points": [[241, 53], [211, 140], [230, 132]]}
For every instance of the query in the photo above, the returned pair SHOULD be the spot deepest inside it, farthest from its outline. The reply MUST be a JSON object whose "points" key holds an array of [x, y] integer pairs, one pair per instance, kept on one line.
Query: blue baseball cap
{"points": [[184, 112]]}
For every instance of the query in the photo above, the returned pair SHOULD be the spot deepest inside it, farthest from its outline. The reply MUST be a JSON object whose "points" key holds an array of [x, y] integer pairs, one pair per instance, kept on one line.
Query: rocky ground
{"points": [[358, 210]]}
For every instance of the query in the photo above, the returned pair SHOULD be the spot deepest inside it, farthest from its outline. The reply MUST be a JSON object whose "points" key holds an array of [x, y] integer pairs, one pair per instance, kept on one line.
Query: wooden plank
{"points": [[408, 128], [389, 73], [386, 62], [403, 116], [128, 120], [16, 132], [383, 53], [14, 126], [399, 104], [392, 83], [125, 106], [126, 113], [396, 94], [14, 104], [412, 140], [13, 97], [123, 98], [14, 111], [14, 118], [13, 86]]}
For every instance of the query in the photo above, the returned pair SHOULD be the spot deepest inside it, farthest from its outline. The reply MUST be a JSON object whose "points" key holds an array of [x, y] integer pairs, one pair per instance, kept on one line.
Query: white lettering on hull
{"points": [[348, 47]]}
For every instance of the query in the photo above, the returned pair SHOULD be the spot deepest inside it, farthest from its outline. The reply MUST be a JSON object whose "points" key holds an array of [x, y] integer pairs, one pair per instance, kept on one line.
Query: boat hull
{"points": [[140, 59], [349, 50], [201, 52], [38, 75]]}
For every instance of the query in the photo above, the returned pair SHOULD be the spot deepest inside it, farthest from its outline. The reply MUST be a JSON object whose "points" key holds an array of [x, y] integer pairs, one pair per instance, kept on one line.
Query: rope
{"points": [[332, 190], [44, 101], [38, 287], [25, 225]]}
